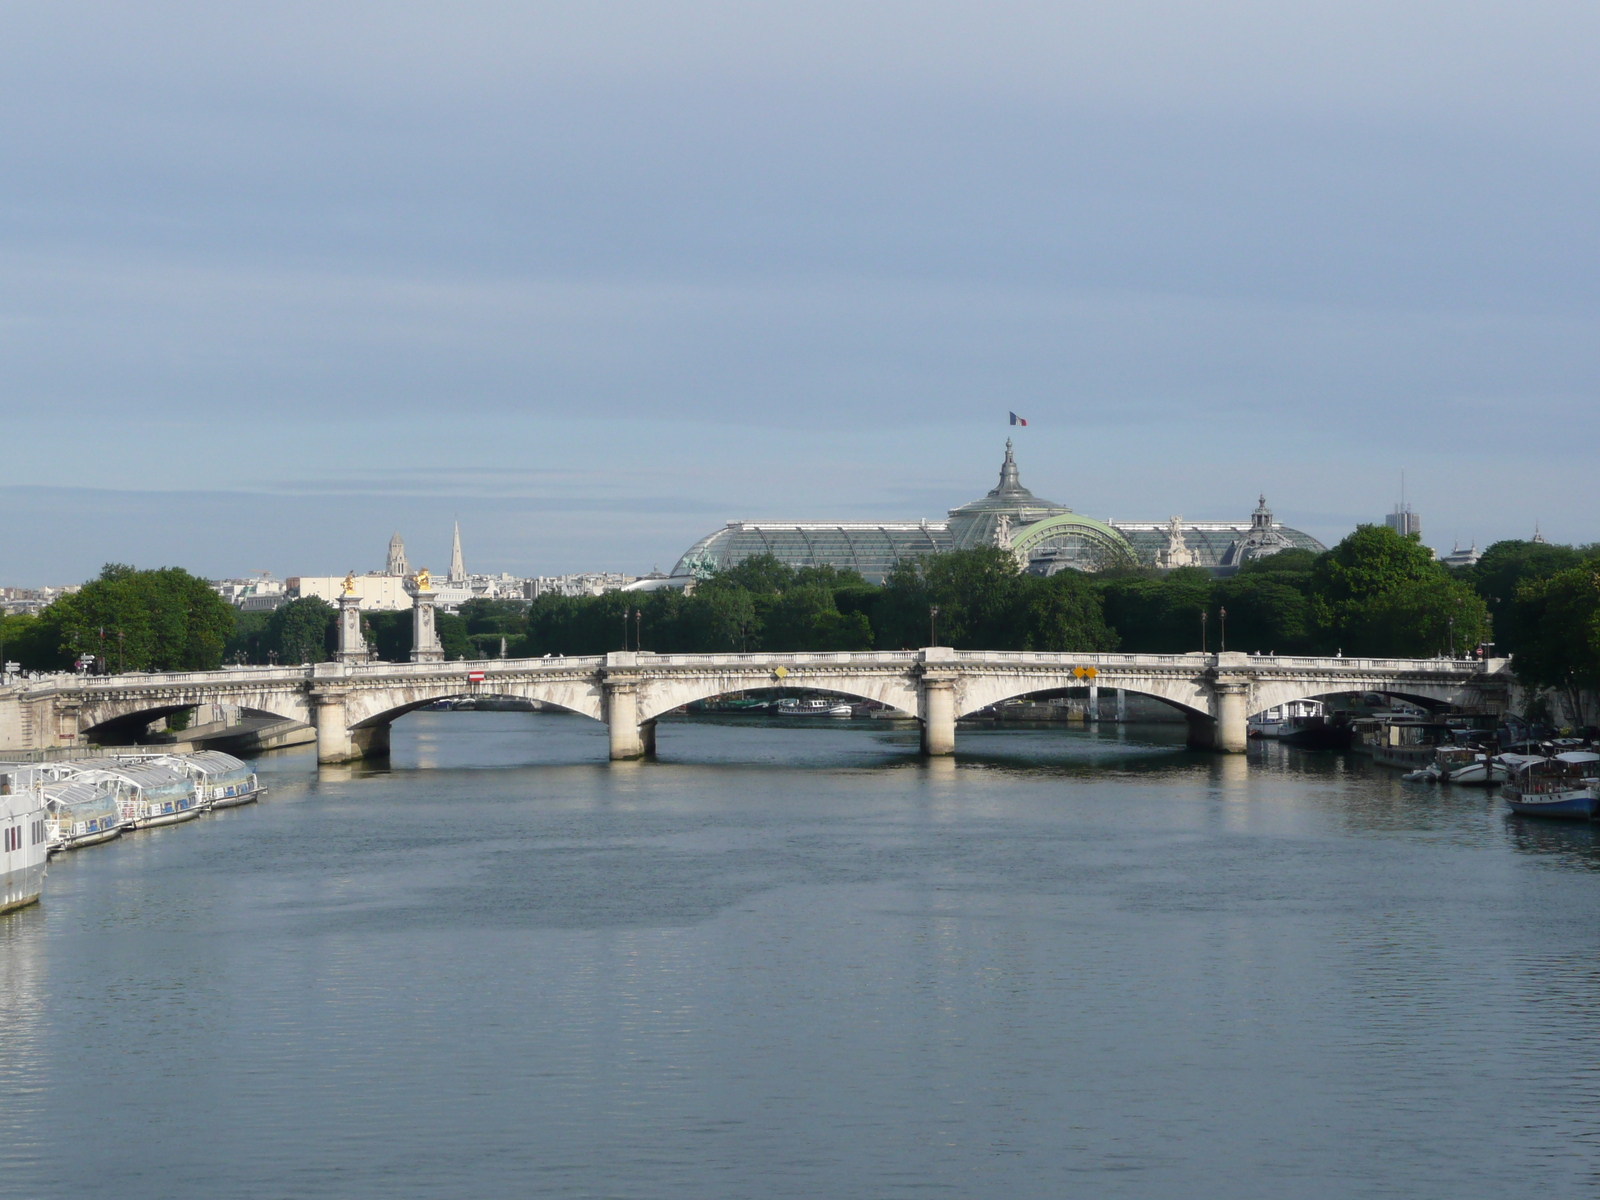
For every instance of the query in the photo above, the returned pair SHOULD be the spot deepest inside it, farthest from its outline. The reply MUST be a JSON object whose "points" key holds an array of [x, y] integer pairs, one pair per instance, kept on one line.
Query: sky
{"points": [[279, 280]]}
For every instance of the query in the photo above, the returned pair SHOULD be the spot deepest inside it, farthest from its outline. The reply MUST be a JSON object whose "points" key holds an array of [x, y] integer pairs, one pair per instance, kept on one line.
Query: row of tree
{"points": [[1375, 593]]}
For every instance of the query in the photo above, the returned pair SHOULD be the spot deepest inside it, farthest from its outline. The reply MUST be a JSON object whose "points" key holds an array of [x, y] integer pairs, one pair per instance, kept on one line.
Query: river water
{"points": [[804, 962]]}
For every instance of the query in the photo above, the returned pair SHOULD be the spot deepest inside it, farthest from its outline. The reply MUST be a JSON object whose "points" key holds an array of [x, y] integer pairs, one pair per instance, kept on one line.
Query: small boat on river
{"points": [[82, 812], [1566, 786], [815, 707]]}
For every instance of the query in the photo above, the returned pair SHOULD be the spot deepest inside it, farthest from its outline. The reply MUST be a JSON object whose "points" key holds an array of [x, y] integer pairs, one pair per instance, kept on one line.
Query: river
{"points": [[804, 962]]}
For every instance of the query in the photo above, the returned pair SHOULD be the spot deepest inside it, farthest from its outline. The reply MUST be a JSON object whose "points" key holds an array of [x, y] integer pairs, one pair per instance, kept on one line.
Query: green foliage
{"points": [[1560, 617], [1378, 593], [1500, 574], [249, 640], [303, 631], [31, 644], [1267, 612], [1159, 613], [986, 602], [163, 620]]}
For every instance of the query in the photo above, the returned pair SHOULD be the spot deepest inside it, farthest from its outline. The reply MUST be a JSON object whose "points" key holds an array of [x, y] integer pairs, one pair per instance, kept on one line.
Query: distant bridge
{"points": [[352, 705]]}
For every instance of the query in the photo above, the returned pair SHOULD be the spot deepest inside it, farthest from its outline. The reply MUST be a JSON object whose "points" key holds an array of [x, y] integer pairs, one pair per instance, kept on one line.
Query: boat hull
{"points": [[171, 818], [1576, 805], [22, 886], [236, 801], [90, 839]]}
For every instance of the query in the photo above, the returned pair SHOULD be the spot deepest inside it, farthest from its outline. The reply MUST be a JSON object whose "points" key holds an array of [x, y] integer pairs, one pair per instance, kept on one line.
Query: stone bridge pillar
{"points": [[424, 637], [1228, 700], [352, 646], [622, 719], [334, 744], [938, 714]]}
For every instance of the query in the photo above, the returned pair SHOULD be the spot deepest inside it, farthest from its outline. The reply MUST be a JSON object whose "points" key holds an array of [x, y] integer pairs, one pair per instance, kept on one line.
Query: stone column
{"points": [[333, 735], [938, 715], [1094, 703], [1228, 701], [1122, 706], [424, 638], [352, 646], [622, 719]]}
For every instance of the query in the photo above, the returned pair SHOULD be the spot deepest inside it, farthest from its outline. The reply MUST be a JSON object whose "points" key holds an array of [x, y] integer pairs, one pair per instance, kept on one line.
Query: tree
{"points": [[1561, 644], [1267, 613], [303, 631], [1417, 618], [1499, 575], [165, 620], [1379, 593], [27, 641], [1159, 613]]}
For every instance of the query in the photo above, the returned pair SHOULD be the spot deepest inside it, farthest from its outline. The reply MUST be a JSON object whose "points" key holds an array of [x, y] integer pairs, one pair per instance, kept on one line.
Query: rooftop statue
{"points": [[422, 579], [350, 583]]}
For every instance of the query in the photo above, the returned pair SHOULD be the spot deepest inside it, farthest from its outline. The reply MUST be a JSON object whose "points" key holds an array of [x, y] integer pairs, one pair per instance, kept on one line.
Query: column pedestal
{"points": [[352, 646], [424, 637]]}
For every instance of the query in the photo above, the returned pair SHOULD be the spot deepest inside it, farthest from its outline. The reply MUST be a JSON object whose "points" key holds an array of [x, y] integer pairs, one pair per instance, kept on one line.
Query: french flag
{"points": [[1016, 420]]}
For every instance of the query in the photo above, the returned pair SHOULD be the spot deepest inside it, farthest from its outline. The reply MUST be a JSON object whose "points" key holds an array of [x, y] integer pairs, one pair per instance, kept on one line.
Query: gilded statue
{"points": [[350, 583], [422, 580]]}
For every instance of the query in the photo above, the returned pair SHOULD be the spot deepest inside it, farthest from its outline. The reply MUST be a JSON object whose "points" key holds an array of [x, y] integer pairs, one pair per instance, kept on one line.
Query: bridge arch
{"points": [[1427, 693], [658, 696], [1187, 694]]}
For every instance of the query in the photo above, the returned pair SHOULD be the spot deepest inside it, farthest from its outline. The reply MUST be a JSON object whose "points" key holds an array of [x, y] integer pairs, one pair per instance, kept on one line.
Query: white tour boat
{"points": [[153, 794], [24, 843], [220, 780], [81, 811]]}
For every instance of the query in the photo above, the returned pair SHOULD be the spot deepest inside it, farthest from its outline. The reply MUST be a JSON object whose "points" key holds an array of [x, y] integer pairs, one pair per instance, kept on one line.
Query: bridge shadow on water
{"points": [[467, 741]]}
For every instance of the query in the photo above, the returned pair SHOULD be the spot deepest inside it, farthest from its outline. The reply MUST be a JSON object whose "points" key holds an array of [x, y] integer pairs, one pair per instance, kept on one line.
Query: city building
{"points": [[1403, 521], [1045, 536], [1462, 558], [17, 601]]}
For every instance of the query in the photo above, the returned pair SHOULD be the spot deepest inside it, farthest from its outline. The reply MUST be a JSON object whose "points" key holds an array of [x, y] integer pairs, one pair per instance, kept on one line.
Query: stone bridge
{"points": [[352, 705]]}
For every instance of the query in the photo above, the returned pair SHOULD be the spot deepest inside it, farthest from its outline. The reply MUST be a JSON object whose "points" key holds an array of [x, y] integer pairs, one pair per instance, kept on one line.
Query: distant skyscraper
{"points": [[397, 557], [1403, 521], [458, 568]]}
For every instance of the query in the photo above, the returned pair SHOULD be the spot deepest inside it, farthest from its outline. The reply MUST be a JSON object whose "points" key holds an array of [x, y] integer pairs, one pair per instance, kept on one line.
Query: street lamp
{"points": [[638, 629], [933, 616], [1222, 636], [1204, 616]]}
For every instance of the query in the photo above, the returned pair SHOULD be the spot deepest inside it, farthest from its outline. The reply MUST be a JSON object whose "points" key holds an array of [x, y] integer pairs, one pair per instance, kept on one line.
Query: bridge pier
{"points": [[622, 720], [1228, 712], [334, 744], [938, 715]]}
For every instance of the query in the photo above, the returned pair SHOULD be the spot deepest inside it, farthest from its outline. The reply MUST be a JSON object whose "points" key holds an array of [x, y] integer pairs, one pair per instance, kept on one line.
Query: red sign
{"points": [[474, 676]]}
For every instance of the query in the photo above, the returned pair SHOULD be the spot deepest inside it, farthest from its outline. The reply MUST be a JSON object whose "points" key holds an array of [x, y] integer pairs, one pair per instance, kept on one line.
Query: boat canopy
{"points": [[213, 766], [1578, 756], [77, 802], [152, 781]]}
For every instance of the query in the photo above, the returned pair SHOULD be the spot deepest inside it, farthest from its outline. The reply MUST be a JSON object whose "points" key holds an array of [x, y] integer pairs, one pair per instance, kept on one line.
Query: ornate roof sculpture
{"points": [[1045, 536]]}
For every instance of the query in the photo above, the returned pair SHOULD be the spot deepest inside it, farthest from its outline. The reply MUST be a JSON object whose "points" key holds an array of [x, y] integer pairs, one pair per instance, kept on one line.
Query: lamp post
{"points": [[933, 617], [624, 629], [1204, 616], [638, 629], [1222, 635]]}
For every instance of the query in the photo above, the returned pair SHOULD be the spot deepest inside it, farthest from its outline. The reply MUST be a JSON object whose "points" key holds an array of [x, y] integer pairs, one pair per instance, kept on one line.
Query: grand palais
{"points": [[1045, 536]]}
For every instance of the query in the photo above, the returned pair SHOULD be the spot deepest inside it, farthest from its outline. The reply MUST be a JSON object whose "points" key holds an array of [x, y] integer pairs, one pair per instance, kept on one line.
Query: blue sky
{"points": [[278, 280]]}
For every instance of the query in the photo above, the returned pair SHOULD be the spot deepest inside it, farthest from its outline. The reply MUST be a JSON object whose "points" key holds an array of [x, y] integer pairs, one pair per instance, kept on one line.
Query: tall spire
{"points": [[458, 569]]}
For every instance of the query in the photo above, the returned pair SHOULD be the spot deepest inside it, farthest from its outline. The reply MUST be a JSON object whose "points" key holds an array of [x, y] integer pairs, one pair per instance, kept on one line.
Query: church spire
{"points": [[458, 569], [397, 557]]}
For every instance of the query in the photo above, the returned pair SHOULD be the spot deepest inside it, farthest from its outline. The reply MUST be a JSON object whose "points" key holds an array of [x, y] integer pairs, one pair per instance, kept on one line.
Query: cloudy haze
{"points": [[594, 278]]}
